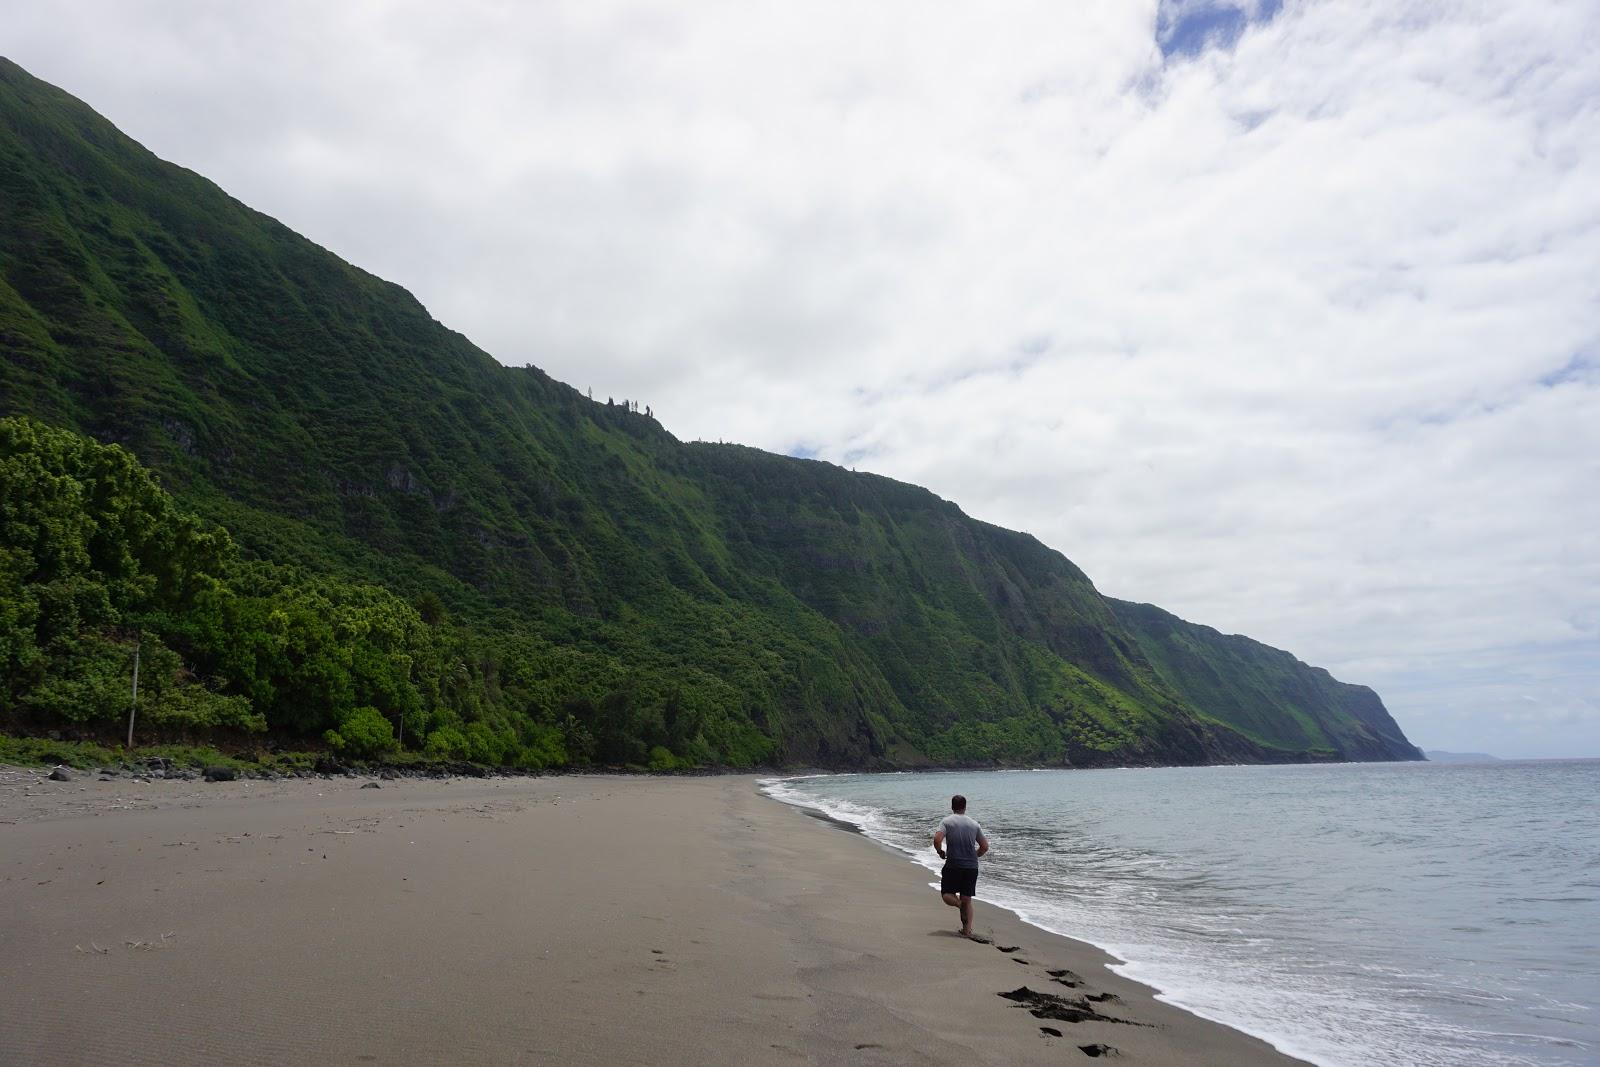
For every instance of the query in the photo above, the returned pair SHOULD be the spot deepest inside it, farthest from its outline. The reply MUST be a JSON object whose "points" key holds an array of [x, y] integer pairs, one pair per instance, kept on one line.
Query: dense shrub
{"points": [[364, 734]]}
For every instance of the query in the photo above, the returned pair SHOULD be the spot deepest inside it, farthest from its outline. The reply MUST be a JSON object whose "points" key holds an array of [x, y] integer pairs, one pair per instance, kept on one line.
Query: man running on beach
{"points": [[959, 841]]}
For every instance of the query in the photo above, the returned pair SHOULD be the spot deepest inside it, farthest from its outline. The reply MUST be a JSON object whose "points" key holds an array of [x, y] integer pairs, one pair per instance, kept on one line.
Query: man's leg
{"points": [[955, 902], [966, 915]]}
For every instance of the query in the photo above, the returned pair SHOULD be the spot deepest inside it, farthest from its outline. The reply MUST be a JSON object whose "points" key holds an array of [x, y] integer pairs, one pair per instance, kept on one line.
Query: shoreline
{"points": [[1109, 958], [577, 920]]}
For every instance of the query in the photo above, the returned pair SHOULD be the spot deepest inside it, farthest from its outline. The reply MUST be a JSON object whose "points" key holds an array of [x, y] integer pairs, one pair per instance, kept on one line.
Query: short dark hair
{"points": [[958, 803]]}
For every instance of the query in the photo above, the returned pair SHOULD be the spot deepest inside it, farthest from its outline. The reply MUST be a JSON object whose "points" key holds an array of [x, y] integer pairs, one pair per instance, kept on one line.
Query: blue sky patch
{"points": [[1581, 367], [1189, 27]]}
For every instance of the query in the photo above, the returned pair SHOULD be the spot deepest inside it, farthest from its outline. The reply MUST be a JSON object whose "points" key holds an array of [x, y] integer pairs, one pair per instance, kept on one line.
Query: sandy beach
{"points": [[588, 920]]}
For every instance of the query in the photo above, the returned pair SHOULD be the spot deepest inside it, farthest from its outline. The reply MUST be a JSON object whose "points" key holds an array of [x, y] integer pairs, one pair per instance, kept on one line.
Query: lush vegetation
{"points": [[85, 755], [97, 561], [380, 540], [1263, 692]]}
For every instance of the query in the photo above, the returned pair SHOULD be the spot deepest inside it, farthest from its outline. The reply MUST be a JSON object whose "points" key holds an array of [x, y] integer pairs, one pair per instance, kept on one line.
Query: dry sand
{"points": [[557, 920]]}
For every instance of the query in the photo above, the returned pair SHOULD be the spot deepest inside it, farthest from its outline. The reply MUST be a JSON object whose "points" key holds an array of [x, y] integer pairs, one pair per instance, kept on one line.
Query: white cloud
{"points": [[1257, 335]]}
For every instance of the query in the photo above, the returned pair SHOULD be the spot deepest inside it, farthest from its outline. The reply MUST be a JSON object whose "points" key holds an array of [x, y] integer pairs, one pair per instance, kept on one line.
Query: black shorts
{"points": [[962, 881]]}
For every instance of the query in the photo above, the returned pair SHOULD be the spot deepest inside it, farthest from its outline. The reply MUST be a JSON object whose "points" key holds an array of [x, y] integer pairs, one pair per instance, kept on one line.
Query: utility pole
{"points": [[134, 710], [411, 663]]}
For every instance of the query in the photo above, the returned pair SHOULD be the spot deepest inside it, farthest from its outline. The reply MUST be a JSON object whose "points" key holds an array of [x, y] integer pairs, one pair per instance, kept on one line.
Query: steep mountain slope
{"points": [[1263, 692], [603, 571]]}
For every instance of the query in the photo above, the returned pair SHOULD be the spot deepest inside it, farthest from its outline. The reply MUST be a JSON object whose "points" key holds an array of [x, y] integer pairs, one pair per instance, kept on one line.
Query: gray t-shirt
{"points": [[961, 841]]}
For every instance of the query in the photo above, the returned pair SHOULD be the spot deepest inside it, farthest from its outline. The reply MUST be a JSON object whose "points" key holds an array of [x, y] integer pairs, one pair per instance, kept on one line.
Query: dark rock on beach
{"points": [[60, 774], [1062, 1009], [220, 774]]}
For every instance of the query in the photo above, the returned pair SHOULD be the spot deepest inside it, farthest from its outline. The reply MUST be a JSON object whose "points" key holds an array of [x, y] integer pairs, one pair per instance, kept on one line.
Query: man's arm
{"points": [[938, 842], [983, 844]]}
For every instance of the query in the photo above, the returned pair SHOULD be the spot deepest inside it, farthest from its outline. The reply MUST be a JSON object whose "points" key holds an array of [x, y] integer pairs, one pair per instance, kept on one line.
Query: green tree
{"points": [[364, 734]]}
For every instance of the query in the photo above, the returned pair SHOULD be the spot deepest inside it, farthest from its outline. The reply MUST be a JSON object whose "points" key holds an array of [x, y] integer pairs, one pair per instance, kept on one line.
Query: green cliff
{"points": [[499, 567]]}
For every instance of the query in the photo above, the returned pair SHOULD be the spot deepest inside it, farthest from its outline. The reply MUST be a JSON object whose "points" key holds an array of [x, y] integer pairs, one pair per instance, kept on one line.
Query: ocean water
{"points": [[1350, 914]]}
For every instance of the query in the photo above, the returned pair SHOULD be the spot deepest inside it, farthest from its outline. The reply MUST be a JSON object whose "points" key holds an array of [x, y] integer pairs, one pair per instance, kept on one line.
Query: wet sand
{"points": [[588, 920]]}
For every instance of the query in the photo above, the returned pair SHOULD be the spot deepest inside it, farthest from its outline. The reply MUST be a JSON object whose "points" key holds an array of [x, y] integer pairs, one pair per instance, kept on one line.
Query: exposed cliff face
{"points": [[326, 419]]}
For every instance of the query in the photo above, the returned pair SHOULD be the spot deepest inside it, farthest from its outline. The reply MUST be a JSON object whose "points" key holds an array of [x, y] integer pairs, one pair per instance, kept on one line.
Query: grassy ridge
{"points": [[601, 584]]}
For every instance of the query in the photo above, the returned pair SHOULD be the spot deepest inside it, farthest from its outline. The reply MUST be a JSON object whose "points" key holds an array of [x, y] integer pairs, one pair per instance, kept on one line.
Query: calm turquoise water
{"points": [[1351, 914]]}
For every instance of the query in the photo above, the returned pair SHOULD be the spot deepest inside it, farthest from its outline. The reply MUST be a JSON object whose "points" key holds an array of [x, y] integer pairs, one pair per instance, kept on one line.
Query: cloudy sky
{"points": [[1284, 316]]}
